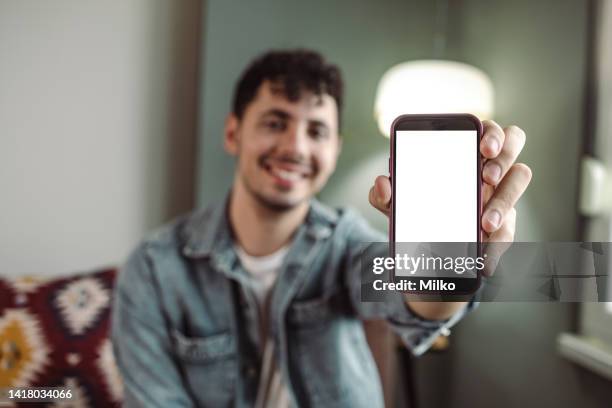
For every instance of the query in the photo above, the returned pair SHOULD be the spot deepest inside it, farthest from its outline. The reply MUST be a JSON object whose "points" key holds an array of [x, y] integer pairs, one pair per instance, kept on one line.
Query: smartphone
{"points": [[435, 169]]}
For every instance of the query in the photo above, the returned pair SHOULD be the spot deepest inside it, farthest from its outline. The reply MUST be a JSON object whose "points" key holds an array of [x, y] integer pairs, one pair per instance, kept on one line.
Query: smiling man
{"points": [[255, 301]]}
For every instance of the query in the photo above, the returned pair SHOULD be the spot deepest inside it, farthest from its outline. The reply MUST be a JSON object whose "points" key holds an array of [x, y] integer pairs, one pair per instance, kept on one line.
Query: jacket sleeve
{"points": [[416, 333], [141, 342]]}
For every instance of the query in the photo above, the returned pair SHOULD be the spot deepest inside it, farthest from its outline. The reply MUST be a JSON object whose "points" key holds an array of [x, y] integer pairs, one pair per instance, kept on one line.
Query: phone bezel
{"points": [[459, 121]]}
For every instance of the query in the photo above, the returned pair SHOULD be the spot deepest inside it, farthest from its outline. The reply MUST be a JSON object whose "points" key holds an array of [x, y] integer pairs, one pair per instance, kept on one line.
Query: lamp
{"points": [[432, 86]]}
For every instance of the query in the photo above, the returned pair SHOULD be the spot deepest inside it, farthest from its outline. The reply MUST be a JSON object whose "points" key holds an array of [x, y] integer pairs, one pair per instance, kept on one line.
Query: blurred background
{"points": [[111, 117]]}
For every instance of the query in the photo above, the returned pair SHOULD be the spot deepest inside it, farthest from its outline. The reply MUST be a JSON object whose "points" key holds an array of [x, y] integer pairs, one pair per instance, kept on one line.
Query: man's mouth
{"points": [[286, 174]]}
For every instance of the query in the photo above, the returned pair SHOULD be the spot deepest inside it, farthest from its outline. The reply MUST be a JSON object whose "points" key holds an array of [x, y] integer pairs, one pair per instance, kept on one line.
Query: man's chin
{"points": [[280, 204]]}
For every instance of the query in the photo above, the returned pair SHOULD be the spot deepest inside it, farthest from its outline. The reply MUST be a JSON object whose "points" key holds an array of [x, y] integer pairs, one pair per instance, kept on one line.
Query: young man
{"points": [[255, 301]]}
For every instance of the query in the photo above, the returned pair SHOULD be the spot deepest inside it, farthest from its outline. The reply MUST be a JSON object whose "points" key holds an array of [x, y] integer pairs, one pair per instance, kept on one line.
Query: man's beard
{"points": [[270, 204], [278, 206]]}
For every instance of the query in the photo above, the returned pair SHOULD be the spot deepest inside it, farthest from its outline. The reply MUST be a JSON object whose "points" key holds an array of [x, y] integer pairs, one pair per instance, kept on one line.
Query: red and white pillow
{"points": [[55, 333]]}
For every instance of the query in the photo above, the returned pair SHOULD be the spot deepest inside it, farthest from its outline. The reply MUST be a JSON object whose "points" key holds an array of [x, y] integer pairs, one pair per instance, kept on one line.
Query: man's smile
{"points": [[287, 173]]}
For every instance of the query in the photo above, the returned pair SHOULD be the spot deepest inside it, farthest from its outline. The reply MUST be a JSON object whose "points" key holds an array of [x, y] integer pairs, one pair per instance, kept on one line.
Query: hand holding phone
{"points": [[502, 180]]}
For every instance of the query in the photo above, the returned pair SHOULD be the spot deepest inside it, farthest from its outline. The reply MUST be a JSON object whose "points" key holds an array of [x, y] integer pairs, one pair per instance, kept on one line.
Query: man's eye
{"points": [[318, 132], [275, 125]]}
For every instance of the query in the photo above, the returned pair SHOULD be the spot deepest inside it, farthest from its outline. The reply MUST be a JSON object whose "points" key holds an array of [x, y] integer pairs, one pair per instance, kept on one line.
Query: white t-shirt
{"points": [[271, 391]]}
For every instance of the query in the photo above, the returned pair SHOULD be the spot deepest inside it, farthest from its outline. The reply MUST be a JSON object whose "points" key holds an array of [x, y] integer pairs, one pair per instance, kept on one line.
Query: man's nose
{"points": [[295, 141]]}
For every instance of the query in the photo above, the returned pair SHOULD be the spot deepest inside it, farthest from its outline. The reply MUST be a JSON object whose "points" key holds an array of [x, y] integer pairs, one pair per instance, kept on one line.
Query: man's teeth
{"points": [[287, 175]]}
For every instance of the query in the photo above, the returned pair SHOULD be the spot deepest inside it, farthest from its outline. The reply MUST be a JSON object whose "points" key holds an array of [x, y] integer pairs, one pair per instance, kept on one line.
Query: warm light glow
{"points": [[432, 86]]}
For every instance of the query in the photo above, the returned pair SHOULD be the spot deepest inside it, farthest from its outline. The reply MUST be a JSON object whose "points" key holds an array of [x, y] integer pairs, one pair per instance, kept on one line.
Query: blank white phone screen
{"points": [[436, 176]]}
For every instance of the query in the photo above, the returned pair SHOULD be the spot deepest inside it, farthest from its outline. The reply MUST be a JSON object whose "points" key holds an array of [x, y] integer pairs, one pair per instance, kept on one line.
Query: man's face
{"points": [[286, 150]]}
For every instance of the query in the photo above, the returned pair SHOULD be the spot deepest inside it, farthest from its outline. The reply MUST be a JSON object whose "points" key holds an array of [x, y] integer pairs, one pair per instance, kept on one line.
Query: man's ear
{"points": [[230, 134]]}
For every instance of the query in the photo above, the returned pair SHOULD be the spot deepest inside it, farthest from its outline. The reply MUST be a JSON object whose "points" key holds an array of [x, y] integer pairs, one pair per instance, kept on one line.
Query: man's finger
{"points": [[499, 242], [493, 138], [505, 197], [495, 169], [486, 192], [380, 194]]}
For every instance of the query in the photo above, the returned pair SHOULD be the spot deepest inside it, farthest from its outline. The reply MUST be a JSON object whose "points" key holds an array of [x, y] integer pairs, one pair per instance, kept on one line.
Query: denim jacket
{"points": [[185, 332]]}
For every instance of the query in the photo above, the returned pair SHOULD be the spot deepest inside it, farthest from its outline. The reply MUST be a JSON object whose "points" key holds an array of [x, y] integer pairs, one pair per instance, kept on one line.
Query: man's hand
{"points": [[504, 183]]}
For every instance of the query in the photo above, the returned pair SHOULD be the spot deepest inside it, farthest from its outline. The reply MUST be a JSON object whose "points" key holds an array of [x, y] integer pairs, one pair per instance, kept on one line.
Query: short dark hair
{"points": [[295, 71]]}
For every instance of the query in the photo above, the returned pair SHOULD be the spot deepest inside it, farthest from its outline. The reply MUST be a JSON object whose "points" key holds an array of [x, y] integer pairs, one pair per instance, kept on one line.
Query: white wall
{"points": [[97, 127]]}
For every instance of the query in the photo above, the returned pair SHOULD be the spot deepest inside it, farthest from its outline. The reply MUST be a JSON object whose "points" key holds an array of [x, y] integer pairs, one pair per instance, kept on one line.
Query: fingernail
{"points": [[493, 143], [494, 217], [492, 171]]}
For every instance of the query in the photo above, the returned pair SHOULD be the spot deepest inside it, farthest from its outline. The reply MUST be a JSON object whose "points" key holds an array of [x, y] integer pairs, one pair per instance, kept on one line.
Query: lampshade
{"points": [[432, 86]]}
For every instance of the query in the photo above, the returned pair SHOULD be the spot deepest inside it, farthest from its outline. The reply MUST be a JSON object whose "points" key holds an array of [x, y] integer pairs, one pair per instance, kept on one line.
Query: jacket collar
{"points": [[204, 229], [208, 230]]}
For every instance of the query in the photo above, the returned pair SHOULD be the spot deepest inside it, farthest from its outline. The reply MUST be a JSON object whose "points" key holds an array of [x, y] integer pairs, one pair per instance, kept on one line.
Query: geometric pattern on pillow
{"points": [[111, 376], [55, 333], [23, 352], [80, 303]]}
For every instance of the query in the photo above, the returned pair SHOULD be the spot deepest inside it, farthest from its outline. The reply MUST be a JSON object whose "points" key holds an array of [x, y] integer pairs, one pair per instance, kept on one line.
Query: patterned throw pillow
{"points": [[55, 333]]}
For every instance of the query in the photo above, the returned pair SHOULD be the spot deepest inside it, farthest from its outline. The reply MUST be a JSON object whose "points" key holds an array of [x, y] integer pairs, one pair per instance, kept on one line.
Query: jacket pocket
{"points": [[204, 349], [210, 367]]}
